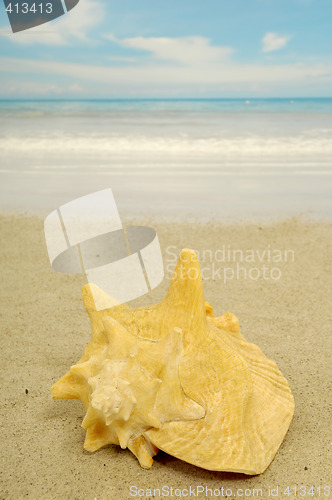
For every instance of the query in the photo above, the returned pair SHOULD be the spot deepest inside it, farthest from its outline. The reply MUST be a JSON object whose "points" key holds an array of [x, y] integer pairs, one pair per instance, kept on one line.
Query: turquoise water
{"points": [[276, 105]]}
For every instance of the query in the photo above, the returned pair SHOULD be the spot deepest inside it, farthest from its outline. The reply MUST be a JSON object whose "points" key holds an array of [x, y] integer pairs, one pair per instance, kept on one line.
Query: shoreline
{"points": [[306, 217]]}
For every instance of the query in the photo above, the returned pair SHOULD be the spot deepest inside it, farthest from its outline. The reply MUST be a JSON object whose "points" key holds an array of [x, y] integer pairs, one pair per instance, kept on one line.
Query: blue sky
{"points": [[174, 48]]}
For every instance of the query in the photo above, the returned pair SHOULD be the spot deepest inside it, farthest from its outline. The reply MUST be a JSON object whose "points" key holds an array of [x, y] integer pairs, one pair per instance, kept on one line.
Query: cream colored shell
{"points": [[172, 376]]}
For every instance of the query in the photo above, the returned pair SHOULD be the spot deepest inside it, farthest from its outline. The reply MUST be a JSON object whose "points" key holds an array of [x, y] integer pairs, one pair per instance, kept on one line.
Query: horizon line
{"points": [[245, 98]]}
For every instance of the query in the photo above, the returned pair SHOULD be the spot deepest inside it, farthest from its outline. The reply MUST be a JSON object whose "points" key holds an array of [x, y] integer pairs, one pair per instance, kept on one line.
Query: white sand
{"points": [[45, 329]]}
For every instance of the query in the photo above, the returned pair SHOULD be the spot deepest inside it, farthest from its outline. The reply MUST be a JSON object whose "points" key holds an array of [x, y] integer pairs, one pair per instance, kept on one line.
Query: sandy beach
{"points": [[45, 329], [211, 125]]}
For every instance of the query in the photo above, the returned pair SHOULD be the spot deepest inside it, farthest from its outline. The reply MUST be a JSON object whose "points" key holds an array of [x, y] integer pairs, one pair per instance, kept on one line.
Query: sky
{"points": [[172, 49]]}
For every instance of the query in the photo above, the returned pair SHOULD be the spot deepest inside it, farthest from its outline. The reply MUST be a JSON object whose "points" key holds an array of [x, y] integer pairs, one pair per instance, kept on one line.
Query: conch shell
{"points": [[172, 376]]}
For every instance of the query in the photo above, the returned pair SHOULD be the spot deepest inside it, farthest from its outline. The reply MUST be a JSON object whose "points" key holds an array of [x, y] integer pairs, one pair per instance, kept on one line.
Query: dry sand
{"points": [[45, 329]]}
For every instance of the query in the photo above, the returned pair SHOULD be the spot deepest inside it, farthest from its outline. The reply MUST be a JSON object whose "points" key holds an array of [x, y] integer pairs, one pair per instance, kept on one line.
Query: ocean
{"points": [[206, 158]]}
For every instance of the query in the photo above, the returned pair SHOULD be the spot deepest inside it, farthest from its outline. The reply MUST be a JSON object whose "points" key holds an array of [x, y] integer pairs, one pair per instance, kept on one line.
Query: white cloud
{"points": [[185, 50], [272, 41], [121, 59], [75, 24], [178, 66], [155, 78], [39, 89]]}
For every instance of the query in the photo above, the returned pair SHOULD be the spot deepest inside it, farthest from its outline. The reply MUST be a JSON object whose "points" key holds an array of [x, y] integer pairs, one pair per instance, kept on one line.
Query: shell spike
{"points": [[186, 293]]}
